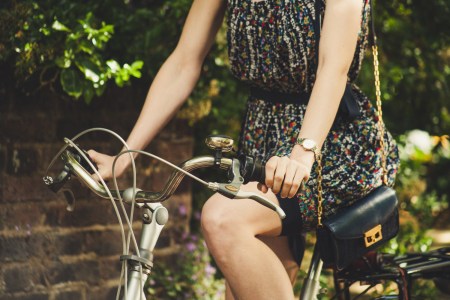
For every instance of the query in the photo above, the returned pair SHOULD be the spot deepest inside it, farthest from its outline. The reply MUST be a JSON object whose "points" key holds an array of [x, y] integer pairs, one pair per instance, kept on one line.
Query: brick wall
{"points": [[47, 252]]}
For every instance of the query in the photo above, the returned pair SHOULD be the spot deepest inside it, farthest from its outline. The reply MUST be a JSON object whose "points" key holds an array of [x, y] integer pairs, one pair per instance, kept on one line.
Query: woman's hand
{"points": [[287, 174], [105, 162]]}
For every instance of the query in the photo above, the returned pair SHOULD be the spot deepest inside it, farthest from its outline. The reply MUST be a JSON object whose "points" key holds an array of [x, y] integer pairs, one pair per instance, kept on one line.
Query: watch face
{"points": [[309, 144]]}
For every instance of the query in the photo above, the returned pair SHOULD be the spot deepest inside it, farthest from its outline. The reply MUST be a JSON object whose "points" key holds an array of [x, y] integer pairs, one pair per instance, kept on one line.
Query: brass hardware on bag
{"points": [[372, 236]]}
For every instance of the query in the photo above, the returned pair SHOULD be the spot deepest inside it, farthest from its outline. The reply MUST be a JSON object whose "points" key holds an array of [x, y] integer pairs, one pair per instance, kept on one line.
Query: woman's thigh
{"points": [[244, 216], [280, 246]]}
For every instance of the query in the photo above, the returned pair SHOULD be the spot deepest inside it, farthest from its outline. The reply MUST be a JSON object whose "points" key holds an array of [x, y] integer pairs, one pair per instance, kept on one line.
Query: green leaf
{"points": [[135, 68], [89, 17], [45, 31], [88, 93], [58, 26], [100, 90], [63, 62], [106, 32], [125, 76], [135, 73], [113, 65], [91, 75], [85, 46], [137, 65], [71, 82], [90, 70], [119, 81]]}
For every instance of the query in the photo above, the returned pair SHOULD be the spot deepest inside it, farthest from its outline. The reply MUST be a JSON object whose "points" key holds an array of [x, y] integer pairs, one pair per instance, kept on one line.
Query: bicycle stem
{"points": [[154, 217]]}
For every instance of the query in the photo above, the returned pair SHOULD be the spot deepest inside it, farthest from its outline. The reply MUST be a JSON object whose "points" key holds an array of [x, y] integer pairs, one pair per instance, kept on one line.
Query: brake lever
{"points": [[233, 192], [233, 189], [70, 199], [56, 184], [261, 200]]}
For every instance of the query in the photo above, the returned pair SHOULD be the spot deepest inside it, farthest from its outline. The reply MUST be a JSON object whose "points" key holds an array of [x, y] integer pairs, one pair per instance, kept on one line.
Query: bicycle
{"points": [[137, 267]]}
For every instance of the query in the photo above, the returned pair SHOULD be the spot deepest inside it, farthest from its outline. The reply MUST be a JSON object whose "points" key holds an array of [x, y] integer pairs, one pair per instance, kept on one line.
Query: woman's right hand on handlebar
{"points": [[105, 162]]}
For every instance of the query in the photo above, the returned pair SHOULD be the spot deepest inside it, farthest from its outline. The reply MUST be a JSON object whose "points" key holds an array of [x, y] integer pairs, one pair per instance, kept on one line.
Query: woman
{"points": [[272, 47]]}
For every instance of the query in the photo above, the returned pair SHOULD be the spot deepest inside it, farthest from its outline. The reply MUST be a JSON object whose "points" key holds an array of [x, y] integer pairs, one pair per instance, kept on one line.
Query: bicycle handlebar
{"points": [[142, 196], [242, 170], [252, 170]]}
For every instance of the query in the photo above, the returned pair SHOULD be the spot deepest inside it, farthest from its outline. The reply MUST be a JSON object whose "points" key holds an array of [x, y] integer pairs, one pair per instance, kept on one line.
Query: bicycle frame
{"points": [[154, 217], [311, 284]]}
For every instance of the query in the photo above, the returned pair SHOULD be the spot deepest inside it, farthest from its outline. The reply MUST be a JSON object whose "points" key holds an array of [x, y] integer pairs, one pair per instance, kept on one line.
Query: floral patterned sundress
{"points": [[271, 45]]}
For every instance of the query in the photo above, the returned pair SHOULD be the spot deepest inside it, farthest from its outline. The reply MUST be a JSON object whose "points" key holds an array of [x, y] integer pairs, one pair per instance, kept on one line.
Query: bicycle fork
{"points": [[154, 217]]}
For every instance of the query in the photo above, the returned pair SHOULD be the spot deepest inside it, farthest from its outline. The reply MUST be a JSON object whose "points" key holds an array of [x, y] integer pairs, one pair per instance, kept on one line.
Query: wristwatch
{"points": [[309, 145]]}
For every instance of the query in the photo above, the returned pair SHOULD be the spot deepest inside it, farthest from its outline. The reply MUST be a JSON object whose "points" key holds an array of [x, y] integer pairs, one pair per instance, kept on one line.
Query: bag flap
{"points": [[366, 213]]}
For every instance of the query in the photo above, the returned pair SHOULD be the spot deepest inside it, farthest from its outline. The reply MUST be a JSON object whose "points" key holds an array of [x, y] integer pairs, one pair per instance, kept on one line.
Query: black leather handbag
{"points": [[358, 229], [369, 222]]}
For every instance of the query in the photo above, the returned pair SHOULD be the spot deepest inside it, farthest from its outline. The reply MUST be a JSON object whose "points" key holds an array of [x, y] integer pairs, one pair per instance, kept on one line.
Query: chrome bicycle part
{"points": [[231, 192], [311, 284], [154, 218], [219, 142], [143, 196]]}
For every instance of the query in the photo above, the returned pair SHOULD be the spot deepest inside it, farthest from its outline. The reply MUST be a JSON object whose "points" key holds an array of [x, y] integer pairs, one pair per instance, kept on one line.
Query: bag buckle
{"points": [[373, 235]]}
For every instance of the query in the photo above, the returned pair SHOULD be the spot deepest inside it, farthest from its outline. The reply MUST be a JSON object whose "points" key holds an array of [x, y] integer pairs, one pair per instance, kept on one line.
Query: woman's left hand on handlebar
{"points": [[286, 174], [104, 163]]}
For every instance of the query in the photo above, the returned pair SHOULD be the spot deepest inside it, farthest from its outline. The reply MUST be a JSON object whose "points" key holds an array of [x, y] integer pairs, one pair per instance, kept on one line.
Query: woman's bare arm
{"points": [[342, 22], [179, 74], [174, 81]]}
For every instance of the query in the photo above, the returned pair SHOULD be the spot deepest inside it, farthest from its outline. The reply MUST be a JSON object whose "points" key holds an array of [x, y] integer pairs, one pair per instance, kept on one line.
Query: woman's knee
{"points": [[216, 220], [240, 218]]}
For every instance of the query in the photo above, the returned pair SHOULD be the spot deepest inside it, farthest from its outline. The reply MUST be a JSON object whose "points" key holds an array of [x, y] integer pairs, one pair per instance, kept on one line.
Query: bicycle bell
{"points": [[219, 142]]}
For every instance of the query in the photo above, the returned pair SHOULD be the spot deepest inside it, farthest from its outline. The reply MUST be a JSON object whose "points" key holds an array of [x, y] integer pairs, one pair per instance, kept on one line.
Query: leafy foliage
{"points": [[73, 49], [81, 54], [190, 275], [414, 64], [421, 195]]}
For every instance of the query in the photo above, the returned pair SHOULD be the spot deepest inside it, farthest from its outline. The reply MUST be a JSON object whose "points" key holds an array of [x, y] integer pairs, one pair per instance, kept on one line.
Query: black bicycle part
{"points": [[442, 284], [82, 161], [56, 184], [252, 169], [402, 270]]}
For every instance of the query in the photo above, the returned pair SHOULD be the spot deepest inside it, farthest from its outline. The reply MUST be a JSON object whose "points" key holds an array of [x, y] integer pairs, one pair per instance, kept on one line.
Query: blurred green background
{"points": [[76, 49]]}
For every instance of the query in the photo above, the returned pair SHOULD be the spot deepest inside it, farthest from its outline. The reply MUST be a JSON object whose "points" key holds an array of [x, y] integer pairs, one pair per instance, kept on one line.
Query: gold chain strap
{"points": [[319, 189], [376, 74]]}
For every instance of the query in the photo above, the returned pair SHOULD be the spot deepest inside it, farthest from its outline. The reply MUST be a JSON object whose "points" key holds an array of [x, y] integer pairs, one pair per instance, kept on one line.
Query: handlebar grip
{"points": [[82, 162], [259, 173], [252, 169]]}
